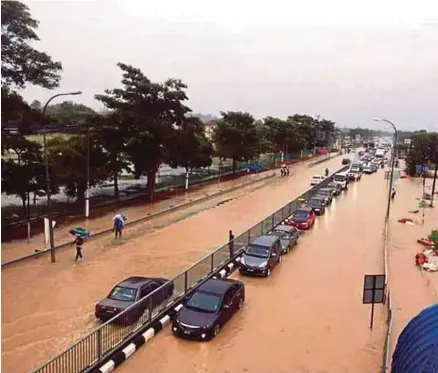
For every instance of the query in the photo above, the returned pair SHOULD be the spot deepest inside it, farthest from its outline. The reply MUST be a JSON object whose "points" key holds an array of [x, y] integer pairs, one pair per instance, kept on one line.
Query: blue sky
{"points": [[347, 61]]}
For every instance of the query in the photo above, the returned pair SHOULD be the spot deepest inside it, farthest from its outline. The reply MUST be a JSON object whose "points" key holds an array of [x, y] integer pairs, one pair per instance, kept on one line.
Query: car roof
{"points": [[265, 240], [305, 209], [341, 173], [318, 176], [135, 281], [217, 286], [325, 188], [284, 228]]}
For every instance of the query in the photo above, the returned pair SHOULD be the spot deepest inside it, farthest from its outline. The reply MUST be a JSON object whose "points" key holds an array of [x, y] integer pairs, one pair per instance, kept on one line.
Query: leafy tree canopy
{"points": [[189, 146], [21, 63], [235, 136]]}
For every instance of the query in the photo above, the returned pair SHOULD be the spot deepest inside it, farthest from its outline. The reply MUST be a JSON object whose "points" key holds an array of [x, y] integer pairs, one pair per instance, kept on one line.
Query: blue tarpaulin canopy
{"points": [[417, 346]]}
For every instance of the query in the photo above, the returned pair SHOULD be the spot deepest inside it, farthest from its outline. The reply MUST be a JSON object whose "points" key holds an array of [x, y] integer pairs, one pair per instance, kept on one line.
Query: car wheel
{"points": [[268, 272], [240, 304], [288, 249], [216, 329]]}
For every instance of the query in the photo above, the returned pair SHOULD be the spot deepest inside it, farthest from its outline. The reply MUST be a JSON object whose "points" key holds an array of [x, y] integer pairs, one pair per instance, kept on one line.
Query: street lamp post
{"points": [[48, 187], [388, 208]]}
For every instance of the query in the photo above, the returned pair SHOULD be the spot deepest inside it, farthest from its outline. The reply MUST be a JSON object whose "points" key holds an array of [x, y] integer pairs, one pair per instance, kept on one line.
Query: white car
{"points": [[368, 169], [316, 179]]}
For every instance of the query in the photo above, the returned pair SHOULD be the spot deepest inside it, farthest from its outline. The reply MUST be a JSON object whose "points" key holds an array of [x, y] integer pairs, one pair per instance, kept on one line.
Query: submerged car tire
{"points": [[279, 259], [216, 330], [268, 272], [240, 304]]}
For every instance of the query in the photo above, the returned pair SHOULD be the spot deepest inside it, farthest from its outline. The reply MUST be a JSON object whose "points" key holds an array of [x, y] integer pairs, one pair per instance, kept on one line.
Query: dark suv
{"points": [[317, 204], [261, 256]]}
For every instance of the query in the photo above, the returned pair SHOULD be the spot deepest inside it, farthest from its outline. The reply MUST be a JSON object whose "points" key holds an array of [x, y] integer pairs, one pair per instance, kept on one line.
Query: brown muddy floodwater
{"points": [[308, 316], [47, 306], [412, 289]]}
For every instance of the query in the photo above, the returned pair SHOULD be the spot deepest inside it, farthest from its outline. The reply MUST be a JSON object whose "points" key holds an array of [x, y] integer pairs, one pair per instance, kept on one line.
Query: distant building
{"points": [[208, 129]]}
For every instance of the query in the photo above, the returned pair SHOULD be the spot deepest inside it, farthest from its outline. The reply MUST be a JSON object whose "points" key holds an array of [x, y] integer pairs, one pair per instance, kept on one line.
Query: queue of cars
{"points": [[206, 310]]}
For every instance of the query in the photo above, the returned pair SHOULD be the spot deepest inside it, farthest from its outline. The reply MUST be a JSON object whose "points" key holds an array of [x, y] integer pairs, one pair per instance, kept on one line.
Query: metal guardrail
{"points": [[386, 365], [136, 221], [100, 343]]}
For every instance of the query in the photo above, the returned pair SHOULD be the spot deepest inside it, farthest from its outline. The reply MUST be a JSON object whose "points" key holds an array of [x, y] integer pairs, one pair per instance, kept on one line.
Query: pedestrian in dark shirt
{"points": [[282, 172], [231, 243], [118, 221], [393, 192], [287, 171], [79, 241]]}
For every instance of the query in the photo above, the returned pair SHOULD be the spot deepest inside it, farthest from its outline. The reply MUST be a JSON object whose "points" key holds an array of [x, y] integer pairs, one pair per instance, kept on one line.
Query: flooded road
{"points": [[55, 302], [308, 316], [412, 289]]}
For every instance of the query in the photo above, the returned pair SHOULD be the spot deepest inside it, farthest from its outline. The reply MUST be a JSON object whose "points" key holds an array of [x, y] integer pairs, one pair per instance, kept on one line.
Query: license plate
{"points": [[186, 332]]}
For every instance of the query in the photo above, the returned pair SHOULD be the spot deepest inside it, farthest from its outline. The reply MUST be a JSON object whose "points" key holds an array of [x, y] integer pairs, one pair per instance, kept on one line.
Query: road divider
{"points": [[111, 343]]}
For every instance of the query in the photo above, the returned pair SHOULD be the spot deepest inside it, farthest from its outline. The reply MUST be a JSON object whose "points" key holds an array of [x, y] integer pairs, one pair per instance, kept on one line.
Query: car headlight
{"points": [[264, 264]]}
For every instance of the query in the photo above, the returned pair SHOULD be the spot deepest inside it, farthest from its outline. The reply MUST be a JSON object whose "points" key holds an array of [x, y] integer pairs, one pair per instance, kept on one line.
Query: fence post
{"points": [[185, 282], [150, 308], [249, 236], [272, 220], [99, 343], [212, 262]]}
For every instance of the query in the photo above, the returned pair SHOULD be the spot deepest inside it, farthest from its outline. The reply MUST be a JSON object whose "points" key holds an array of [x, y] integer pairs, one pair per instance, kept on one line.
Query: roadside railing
{"points": [[101, 342], [386, 365]]}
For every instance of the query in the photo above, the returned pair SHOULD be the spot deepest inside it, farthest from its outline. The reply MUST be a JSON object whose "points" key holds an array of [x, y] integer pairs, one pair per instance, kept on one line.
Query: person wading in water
{"points": [[79, 241]]}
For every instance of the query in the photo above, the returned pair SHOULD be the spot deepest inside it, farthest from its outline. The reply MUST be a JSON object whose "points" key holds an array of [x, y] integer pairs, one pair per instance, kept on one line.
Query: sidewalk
{"points": [[412, 289], [15, 249]]}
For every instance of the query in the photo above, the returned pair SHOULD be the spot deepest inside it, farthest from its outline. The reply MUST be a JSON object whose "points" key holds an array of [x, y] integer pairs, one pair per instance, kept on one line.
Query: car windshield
{"points": [[340, 178], [123, 294], [204, 302], [257, 251], [300, 216]]}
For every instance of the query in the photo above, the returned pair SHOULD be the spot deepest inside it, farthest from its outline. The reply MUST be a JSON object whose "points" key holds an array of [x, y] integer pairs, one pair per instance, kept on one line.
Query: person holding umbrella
{"points": [[118, 221], [81, 234]]}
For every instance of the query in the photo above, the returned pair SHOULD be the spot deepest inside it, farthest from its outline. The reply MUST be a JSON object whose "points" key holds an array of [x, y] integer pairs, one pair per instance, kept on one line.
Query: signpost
{"points": [[422, 169], [373, 292]]}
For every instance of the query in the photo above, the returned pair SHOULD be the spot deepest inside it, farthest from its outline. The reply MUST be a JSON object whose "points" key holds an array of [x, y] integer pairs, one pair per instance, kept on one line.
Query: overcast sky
{"points": [[345, 61]]}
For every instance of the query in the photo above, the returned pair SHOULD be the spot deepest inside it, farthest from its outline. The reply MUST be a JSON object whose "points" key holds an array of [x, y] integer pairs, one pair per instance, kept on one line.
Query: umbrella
{"points": [[80, 232]]}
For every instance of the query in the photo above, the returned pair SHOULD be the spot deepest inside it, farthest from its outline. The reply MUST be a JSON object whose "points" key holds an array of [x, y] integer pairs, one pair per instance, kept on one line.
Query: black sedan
{"points": [[130, 291], [337, 188], [327, 194], [288, 236], [208, 309], [317, 204]]}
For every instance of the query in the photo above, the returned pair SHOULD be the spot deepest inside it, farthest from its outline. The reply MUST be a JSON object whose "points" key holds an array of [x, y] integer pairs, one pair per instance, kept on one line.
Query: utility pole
{"points": [[48, 187]]}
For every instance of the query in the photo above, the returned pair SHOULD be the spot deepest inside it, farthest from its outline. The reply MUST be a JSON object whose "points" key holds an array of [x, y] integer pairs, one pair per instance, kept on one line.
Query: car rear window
{"points": [[340, 178], [300, 215], [123, 294]]}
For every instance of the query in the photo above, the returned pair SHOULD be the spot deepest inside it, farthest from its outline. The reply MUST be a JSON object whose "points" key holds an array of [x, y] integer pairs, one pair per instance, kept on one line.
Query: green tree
{"points": [[68, 160], [149, 110], [111, 132], [23, 172], [21, 63], [235, 137], [423, 150], [188, 145], [68, 112]]}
